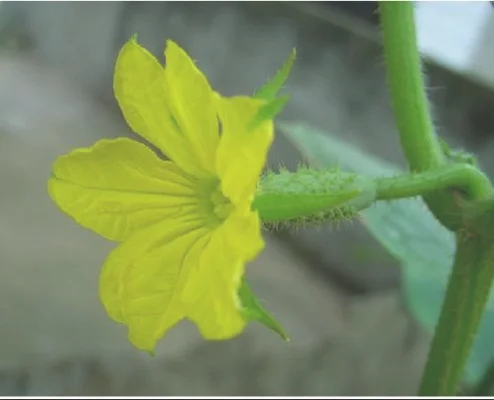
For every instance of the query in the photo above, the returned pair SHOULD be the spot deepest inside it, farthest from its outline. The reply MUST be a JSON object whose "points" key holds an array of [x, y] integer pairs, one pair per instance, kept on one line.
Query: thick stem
{"points": [[462, 177], [466, 297]]}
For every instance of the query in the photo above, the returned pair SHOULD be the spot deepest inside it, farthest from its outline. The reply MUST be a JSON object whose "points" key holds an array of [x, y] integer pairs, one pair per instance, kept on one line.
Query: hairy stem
{"points": [[420, 144], [473, 271], [404, 72], [463, 177]]}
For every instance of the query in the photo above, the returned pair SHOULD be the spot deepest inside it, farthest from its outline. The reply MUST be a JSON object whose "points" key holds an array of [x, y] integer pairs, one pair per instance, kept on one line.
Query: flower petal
{"points": [[211, 293], [118, 186], [191, 101], [140, 89], [143, 277], [242, 152]]}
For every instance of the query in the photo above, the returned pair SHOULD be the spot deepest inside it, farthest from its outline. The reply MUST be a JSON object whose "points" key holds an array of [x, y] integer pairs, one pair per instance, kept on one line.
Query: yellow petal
{"points": [[242, 152], [191, 101], [142, 278], [140, 89], [211, 293], [118, 186]]}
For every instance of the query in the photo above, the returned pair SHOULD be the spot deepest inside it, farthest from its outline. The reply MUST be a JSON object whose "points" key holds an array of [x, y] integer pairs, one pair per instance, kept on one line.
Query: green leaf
{"points": [[406, 228], [270, 89], [253, 311]]}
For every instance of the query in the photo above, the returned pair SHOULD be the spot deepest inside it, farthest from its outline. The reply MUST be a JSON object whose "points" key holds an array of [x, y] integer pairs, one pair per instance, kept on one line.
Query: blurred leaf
{"points": [[253, 311], [408, 231], [366, 253]]}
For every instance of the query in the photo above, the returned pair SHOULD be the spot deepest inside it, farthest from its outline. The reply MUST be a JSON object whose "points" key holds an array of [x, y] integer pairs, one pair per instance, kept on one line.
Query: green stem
{"points": [[420, 144], [411, 108], [473, 271], [463, 177], [466, 297]]}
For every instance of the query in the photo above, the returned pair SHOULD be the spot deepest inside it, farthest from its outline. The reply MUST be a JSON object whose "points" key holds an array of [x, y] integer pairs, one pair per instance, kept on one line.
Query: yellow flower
{"points": [[186, 225]]}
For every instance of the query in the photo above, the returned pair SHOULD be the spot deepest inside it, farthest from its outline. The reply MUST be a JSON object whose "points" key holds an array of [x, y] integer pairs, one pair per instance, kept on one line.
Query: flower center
{"points": [[214, 206], [222, 207]]}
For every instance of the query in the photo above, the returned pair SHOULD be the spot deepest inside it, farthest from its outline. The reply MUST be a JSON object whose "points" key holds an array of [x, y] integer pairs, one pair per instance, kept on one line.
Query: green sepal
{"points": [[253, 311], [271, 88], [268, 111]]}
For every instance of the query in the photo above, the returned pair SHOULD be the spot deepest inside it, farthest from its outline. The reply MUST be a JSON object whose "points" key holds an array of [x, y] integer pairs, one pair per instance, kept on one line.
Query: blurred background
{"points": [[336, 291]]}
